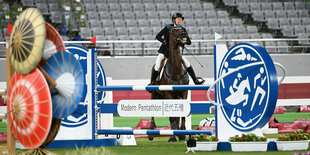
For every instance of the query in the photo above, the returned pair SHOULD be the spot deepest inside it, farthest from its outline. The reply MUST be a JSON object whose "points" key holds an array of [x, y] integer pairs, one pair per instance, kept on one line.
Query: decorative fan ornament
{"points": [[27, 41], [67, 71], [53, 42], [29, 108]]}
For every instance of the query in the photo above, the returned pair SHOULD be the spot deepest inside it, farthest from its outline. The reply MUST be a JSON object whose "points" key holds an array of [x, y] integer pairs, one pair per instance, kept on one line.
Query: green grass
{"points": [[159, 146], [2, 124], [290, 117], [3, 127]]}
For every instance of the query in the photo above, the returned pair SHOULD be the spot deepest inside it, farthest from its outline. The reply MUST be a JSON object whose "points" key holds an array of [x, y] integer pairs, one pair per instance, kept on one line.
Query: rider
{"points": [[177, 19]]}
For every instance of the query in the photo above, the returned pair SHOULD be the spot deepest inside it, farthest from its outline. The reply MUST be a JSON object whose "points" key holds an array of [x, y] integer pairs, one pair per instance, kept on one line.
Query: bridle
{"points": [[178, 36]]}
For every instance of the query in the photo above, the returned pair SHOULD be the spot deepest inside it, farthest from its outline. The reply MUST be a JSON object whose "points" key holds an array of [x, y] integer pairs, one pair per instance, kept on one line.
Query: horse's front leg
{"points": [[182, 137], [152, 127], [174, 121]]}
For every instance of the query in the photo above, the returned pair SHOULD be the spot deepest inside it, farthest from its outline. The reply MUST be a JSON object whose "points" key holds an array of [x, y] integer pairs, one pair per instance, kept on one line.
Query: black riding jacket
{"points": [[165, 40]]}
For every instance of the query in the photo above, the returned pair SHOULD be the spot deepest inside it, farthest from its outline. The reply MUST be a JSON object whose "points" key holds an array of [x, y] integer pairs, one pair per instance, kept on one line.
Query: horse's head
{"points": [[177, 37]]}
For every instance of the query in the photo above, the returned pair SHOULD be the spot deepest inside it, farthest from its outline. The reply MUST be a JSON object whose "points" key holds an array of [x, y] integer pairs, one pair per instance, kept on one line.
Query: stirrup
{"points": [[199, 81]]}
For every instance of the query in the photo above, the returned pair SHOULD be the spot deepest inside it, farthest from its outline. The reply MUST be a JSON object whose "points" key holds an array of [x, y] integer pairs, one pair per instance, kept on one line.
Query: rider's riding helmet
{"points": [[175, 15]]}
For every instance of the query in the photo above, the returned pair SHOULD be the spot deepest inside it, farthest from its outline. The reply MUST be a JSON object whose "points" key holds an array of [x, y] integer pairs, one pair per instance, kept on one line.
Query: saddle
{"points": [[162, 65]]}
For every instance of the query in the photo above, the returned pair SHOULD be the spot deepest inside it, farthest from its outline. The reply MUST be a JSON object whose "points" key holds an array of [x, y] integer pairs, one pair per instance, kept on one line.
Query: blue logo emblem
{"points": [[249, 94], [79, 116]]}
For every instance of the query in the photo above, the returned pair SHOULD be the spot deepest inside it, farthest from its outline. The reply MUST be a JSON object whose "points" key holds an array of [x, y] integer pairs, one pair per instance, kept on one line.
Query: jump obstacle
{"points": [[141, 88], [99, 137], [111, 108]]}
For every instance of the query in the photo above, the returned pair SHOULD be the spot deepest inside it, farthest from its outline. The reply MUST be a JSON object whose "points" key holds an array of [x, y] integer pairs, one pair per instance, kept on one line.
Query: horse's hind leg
{"points": [[155, 95], [174, 121], [182, 137], [152, 127]]}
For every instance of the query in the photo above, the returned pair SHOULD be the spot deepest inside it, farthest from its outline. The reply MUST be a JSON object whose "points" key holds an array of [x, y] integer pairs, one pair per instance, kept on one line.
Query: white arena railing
{"points": [[198, 47]]}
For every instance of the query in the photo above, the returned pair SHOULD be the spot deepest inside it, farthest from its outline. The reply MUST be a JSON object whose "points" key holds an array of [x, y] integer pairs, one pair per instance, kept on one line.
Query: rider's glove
{"points": [[181, 42], [164, 42]]}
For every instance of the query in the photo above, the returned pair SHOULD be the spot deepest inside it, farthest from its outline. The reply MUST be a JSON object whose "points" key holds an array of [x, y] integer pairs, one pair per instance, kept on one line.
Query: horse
{"points": [[174, 73]]}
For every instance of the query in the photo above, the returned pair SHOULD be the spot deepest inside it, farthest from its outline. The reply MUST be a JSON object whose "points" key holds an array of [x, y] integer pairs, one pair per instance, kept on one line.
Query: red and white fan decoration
{"points": [[29, 108]]}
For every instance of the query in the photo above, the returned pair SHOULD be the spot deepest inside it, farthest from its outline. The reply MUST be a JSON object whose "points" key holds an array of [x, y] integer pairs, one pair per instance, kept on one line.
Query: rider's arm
{"points": [[188, 41], [160, 34]]}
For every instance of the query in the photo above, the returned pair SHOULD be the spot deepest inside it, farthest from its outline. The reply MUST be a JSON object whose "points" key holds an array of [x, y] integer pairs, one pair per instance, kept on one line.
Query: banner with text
{"points": [[153, 108]]}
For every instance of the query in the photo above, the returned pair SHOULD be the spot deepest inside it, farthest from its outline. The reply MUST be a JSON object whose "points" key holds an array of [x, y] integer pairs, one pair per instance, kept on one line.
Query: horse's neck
{"points": [[174, 62]]}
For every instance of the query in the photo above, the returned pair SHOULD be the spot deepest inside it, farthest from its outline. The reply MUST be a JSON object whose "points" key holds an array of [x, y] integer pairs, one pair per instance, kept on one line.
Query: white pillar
{"points": [[188, 119], [106, 120]]}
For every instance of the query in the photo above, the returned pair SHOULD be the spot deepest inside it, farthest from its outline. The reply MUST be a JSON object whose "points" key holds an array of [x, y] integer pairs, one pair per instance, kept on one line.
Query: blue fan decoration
{"points": [[68, 73]]}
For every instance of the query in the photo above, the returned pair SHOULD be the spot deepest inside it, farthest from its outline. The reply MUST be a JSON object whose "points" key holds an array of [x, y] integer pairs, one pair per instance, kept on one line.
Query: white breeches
{"points": [[186, 62], [161, 56]]}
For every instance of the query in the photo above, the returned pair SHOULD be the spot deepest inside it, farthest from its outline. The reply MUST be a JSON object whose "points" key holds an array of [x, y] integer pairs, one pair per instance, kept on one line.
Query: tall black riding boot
{"points": [[191, 72], [154, 76]]}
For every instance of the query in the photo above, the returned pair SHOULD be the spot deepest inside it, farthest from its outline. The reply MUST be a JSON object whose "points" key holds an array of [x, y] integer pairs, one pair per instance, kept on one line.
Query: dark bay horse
{"points": [[174, 73]]}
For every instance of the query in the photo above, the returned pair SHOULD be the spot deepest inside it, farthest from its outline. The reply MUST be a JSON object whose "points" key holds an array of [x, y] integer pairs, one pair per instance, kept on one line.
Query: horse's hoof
{"points": [[151, 137], [152, 126], [172, 140], [199, 81], [181, 138]]}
